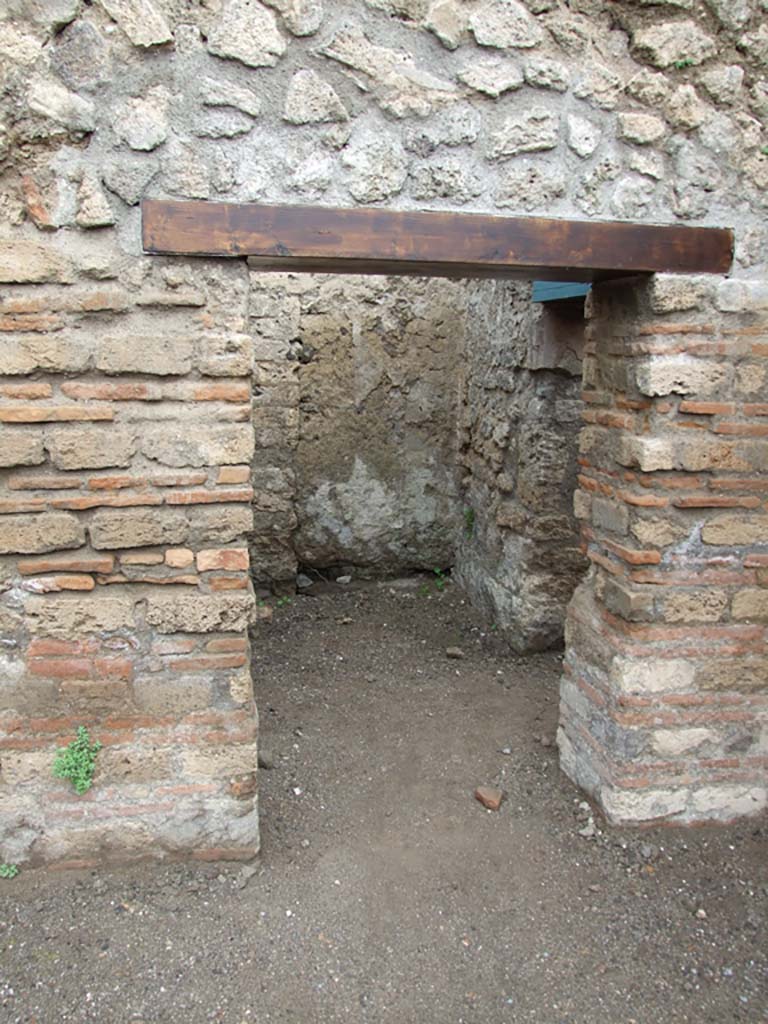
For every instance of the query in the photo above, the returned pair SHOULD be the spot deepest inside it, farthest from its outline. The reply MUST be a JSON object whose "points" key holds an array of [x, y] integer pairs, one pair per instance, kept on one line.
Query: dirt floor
{"points": [[385, 892]]}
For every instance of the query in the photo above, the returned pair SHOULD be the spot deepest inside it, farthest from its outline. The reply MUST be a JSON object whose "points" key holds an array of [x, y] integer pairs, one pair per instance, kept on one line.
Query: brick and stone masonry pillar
{"points": [[664, 697], [126, 447]]}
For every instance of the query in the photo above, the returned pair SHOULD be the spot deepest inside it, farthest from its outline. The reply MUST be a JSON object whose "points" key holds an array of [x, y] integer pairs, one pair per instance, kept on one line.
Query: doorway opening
{"points": [[420, 425]]}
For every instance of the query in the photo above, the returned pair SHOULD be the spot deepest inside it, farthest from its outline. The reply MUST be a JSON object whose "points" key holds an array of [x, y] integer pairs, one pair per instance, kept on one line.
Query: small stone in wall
{"points": [[734, 14], [633, 197], [445, 179], [582, 136], [649, 163], [223, 176], [16, 47], [589, 195], [684, 109], [80, 57], [530, 187], [377, 167], [51, 14], [572, 35], [543, 73], [218, 92], [141, 122], [755, 44], [600, 86], [459, 126], [140, 20], [221, 124], [402, 88], [413, 10], [302, 17], [246, 31], [129, 176], [536, 129], [93, 209], [50, 99], [449, 21], [313, 176], [724, 84], [312, 100], [185, 172], [505, 23], [640, 128], [674, 42], [492, 76], [649, 87]]}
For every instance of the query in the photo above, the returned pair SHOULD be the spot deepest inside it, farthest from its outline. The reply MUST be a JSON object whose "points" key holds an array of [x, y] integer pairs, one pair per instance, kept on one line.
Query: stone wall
{"points": [[371, 376], [126, 434], [519, 556]]}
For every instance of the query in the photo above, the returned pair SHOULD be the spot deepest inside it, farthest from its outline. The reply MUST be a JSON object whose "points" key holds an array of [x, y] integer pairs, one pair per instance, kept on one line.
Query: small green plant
{"points": [[9, 870], [764, 150], [440, 579], [686, 62], [281, 602], [469, 521], [77, 762]]}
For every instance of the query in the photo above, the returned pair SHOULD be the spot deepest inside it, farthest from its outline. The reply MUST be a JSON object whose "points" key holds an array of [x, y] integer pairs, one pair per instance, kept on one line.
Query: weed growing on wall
{"points": [[469, 521], [77, 762]]}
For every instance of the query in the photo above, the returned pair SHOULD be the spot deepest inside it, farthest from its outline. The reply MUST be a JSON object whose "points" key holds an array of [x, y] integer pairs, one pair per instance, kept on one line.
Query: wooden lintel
{"points": [[365, 241]]}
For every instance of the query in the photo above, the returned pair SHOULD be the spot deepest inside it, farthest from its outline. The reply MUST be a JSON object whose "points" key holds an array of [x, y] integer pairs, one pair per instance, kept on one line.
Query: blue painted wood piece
{"points": [[548, 291]]}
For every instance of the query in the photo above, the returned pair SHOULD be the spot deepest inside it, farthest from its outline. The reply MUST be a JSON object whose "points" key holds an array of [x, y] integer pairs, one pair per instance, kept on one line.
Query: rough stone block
{"points": [[645, 453], [739, 674], [675, 293], [695, 606], [90, 447], [20, 448], [680, 375], [635, 604], [610, 515], [44, 531], [220, 762], [157, 695], [213, 446], [25, 262], [200, 613], [67, 616], [726, 802], [735, 530], [752, 604], [162, 356], [674, 742], [652, 675], [135, 528], [628, 806], [221, 525]]}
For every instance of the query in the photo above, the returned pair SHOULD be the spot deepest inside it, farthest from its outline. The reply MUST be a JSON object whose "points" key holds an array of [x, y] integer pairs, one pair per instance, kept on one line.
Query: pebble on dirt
{"points": [[489, 797], [454, 652]]}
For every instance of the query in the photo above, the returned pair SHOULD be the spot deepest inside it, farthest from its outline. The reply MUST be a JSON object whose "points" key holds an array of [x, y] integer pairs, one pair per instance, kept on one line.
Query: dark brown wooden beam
{"points": [[365, 241]]}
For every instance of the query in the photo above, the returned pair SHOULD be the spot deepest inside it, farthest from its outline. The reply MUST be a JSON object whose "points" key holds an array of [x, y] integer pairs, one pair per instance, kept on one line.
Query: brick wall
{"points": [[665, 693], [125, 497]]}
